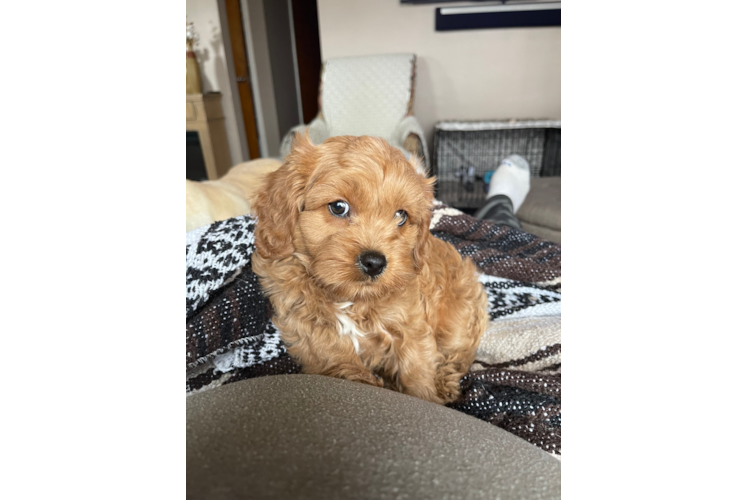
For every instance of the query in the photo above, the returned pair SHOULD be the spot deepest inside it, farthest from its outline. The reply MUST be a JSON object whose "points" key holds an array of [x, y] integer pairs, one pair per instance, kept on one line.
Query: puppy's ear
{"points": [[279, 201], [420, 251], [418, 165]]}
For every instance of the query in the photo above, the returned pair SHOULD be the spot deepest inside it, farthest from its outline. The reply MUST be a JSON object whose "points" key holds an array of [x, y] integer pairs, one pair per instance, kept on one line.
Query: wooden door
{"points": [[241, 65]]}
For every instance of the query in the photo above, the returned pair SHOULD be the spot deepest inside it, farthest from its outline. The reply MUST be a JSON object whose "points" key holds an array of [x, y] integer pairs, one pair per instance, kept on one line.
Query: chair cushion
{"points": [[542, 207], [314, 437]]}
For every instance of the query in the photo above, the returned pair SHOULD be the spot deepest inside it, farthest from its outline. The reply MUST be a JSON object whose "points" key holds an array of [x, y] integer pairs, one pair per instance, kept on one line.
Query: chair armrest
{"points": [[413, 145], [318, 133], [409, 136]]}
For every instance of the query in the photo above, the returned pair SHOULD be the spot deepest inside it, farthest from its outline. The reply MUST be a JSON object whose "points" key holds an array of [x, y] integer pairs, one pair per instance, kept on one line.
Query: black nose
{"points": [[372, 263]]}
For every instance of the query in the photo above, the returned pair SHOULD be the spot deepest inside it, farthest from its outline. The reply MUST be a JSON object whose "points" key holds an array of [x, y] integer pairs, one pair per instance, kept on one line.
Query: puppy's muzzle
{"points": [[372, 263]]}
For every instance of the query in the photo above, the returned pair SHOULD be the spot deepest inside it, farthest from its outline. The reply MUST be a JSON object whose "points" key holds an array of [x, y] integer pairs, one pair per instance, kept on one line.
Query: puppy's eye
{"points": [[338, 208], [402, 216]]}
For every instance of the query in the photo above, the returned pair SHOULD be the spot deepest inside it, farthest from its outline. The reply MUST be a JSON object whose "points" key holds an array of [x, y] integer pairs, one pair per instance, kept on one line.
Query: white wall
{"points": [[213, 52], [471, 75]]}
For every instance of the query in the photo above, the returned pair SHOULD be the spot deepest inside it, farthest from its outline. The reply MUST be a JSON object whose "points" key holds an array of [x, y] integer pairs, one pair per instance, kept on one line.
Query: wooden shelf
{"points": [[205, 116]]}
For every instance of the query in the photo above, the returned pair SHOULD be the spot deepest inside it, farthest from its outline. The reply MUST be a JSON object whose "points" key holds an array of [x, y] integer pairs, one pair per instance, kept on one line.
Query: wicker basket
{"points": [[464, 152]]}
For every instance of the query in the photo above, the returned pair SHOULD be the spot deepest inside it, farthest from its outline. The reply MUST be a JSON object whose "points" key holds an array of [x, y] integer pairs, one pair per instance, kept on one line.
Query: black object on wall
{"points": [[595, 14], [440, 1]]}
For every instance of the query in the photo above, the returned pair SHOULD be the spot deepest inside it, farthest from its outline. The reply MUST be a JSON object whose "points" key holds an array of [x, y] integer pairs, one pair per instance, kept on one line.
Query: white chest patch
{"points": [[346, 326]]}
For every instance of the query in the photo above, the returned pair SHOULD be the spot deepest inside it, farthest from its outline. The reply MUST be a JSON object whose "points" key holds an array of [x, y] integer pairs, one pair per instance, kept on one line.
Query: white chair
{"points": [[367, 95]]}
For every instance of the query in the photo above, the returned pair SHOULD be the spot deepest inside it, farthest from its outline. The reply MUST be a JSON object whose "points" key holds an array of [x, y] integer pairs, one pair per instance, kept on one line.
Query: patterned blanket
{"points": [[516, 381]]}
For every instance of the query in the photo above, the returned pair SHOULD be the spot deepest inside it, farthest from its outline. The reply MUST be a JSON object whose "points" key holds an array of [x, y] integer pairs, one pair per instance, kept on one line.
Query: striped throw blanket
{"points": [[515, 382]]}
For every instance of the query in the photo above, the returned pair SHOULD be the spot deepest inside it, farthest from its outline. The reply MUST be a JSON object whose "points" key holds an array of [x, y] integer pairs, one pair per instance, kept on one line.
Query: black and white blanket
{"points": [[516, 380]]}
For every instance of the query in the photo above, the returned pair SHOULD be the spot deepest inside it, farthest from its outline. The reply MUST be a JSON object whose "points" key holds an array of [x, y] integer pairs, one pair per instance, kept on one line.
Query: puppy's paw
{"points": [[366, 378], [356, 374], [448, 387], [427, 392]]}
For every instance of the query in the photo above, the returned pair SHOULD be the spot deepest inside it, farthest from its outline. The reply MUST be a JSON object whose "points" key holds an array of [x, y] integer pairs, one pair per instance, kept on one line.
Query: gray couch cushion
{"points": [[542, 207], [307, 436]]}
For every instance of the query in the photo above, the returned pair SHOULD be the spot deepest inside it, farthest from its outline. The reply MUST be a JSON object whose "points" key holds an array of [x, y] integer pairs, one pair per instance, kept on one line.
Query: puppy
{"points": [[227, 197], [360, 288]]}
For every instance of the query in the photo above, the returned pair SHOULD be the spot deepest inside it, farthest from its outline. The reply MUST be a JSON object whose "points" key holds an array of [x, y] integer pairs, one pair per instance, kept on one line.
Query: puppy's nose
{"points": [[373, 263]]}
